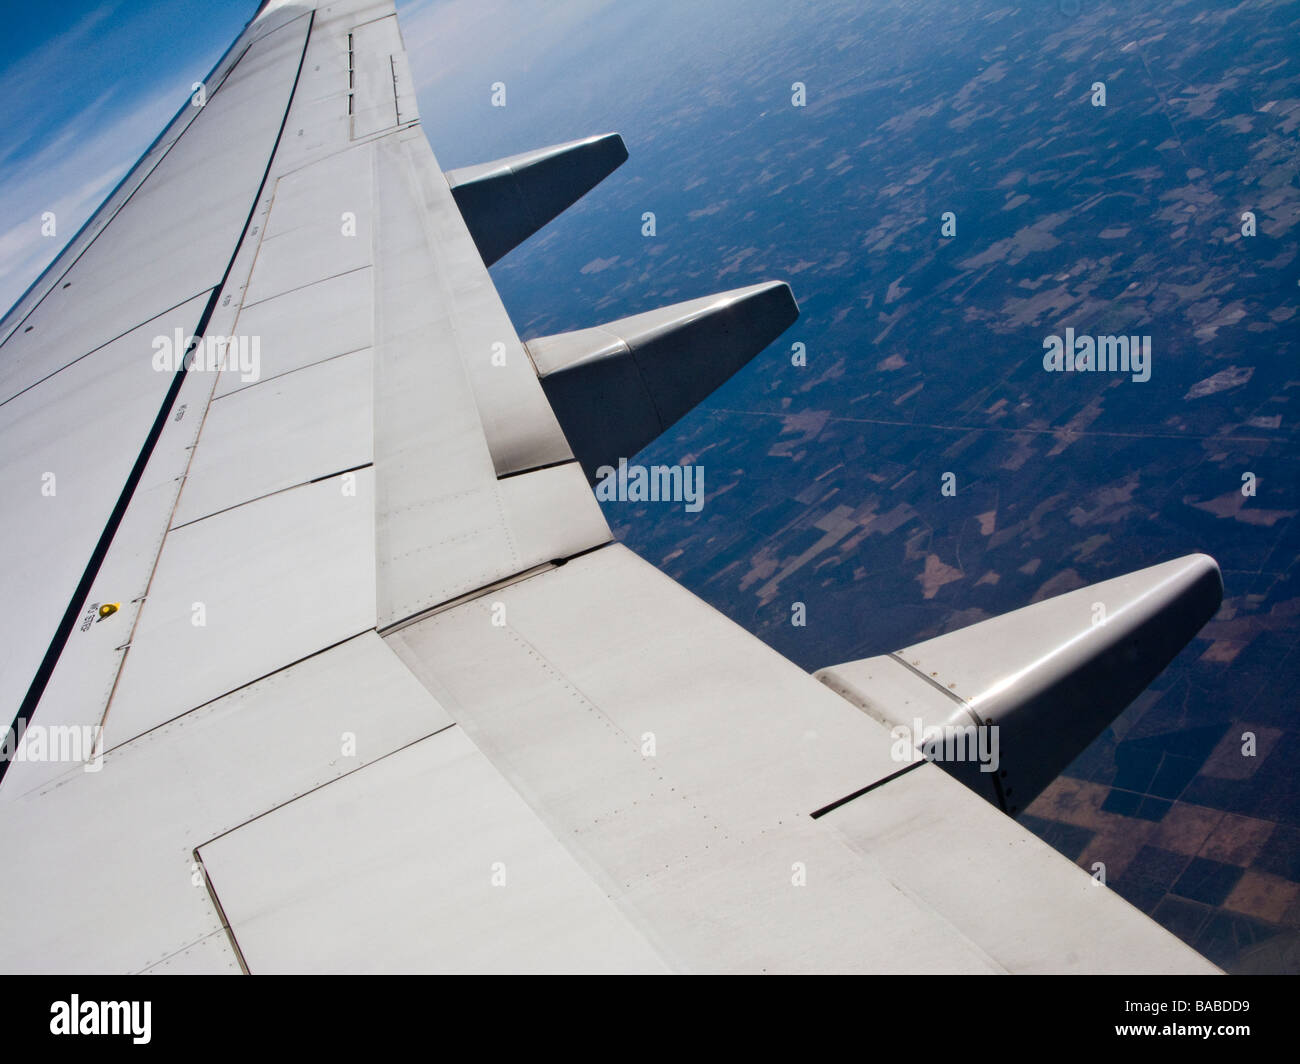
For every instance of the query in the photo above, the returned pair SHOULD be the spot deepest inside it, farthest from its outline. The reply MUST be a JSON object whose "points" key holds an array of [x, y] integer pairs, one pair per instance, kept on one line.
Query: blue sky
{"points": [[90, 85], [87, 88]]}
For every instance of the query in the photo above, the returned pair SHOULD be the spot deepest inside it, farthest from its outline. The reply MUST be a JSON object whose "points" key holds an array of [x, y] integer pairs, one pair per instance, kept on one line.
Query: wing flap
{"points": [[682, 761]]}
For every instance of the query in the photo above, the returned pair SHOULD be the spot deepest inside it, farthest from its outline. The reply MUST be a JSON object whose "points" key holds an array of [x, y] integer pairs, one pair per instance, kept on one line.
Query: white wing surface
{"points": [[322, 658]]}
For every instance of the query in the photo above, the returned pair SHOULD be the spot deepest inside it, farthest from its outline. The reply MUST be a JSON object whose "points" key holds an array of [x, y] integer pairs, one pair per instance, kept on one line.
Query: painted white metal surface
{"points": [[738, 725], [383, 94], [703, 836], [1029, 908], [68, 446], [435, 552], [425, 861], [436, 301], [306, 326], [680, 758], [320, 123], [273, 581], [109, 881], [86, 671], [79, 690], [308, 237], [447, 420], [213, 955], [298, 427]]}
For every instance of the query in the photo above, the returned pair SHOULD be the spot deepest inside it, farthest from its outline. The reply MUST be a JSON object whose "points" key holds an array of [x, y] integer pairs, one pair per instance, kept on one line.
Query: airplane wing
{"points": [[321, 655]]}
